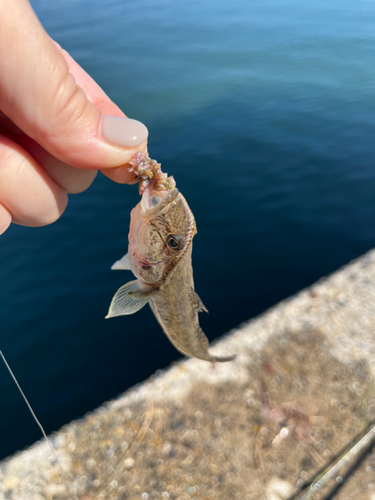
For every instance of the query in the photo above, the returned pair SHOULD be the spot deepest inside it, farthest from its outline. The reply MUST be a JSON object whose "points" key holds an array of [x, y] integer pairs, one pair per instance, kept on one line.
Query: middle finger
{"points": [[73, 180]]}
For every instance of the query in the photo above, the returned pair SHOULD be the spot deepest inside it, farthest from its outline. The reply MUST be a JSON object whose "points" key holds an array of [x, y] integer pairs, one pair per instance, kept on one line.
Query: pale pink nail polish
{"points": [[123, 131]]}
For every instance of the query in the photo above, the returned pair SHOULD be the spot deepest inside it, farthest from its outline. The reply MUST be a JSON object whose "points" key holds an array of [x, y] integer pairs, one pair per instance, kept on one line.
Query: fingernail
{"points": [[134, 181], [123, 131]]}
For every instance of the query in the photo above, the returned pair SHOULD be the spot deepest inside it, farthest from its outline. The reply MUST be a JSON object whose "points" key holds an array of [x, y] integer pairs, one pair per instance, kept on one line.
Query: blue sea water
{"points": [[264, 112]]}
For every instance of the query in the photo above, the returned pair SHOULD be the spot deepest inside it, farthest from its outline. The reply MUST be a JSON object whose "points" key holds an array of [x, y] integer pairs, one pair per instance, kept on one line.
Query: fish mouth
{"points": [[157, 202], [144, 263]]}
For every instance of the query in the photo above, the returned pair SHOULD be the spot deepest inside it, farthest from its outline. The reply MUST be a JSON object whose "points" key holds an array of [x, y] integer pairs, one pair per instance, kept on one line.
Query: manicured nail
{"points": [[134, 181], [123, 131]]}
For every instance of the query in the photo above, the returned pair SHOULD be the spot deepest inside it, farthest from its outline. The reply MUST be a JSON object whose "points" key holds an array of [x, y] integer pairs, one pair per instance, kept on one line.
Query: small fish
{"points": [[162, 228]]}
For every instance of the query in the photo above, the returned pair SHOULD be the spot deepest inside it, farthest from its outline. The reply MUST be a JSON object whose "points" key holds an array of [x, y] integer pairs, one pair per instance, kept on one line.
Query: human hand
{"points": [[54, 134]]}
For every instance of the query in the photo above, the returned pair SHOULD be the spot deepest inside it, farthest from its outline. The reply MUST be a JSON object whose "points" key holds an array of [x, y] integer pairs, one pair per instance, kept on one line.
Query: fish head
{"points": [[161, 228]]}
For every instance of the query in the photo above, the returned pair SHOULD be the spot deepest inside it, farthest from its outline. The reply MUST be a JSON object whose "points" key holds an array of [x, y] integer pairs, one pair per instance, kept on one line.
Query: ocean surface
{"points": [[264, 112]]}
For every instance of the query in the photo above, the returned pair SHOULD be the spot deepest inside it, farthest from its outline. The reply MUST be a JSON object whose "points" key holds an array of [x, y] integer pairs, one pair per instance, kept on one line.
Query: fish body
{"points": [[161, 231], [176, 307]]}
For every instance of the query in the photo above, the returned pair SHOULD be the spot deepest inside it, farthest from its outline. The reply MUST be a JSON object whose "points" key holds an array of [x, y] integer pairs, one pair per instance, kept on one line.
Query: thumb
{"points": [[39, 93]]}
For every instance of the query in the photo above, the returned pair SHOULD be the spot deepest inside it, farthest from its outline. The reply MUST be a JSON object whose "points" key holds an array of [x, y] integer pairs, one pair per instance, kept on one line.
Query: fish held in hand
{"points": [[161, 232]]}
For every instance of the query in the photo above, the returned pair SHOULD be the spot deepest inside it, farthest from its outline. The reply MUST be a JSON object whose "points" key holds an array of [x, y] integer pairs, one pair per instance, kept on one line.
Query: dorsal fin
{"points": [[198, 304]]}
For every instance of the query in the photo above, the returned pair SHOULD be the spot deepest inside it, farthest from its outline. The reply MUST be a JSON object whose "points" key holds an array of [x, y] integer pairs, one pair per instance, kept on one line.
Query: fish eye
{"points": [[175, 242]]}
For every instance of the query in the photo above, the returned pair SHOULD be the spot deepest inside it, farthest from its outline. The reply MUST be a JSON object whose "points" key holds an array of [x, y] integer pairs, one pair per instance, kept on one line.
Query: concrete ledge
{"points": [[301, 387]]}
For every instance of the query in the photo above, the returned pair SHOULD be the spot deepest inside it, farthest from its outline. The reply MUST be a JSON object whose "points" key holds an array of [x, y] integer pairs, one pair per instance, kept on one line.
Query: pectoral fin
{"points": [[198, 304], [122, 264], [130, 298]]}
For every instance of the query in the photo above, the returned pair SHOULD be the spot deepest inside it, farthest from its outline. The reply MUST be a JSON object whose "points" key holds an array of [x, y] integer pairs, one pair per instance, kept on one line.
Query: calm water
{"points": [[264, 111]]}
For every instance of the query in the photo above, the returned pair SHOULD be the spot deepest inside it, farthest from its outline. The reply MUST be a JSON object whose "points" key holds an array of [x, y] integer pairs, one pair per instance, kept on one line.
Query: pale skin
{"points": [[50, 115]]}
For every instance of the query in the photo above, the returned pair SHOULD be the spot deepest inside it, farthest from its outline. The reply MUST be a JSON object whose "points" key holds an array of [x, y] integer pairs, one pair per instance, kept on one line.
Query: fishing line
{"points": [[39, 425], [356, 450]]}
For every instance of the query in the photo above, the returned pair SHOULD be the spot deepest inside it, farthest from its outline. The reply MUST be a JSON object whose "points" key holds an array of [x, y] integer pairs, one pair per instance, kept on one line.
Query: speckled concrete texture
{"points": [[301, 387]]}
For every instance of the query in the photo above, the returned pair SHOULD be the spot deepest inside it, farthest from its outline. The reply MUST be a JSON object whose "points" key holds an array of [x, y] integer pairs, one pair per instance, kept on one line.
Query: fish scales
{"points": [[177, 313]]}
